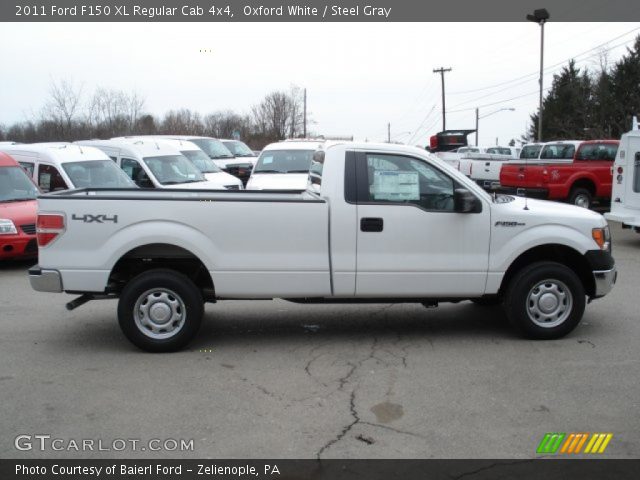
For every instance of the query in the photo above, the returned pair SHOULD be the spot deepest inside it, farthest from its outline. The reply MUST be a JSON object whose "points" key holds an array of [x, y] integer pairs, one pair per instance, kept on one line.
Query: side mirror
{"points": [[466, 202]]}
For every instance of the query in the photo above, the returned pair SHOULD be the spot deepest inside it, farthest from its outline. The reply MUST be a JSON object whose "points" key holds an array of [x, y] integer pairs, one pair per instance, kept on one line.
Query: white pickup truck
{"points": [[378, 223]]}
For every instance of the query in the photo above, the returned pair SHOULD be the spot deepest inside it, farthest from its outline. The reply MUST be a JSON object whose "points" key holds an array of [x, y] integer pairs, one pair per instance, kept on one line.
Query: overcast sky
{"points": [[359, 76]]}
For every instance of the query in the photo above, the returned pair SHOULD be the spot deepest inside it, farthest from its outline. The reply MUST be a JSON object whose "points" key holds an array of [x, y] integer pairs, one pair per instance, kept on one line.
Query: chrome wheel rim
{"points": [[159, 313], [581, 201], [549, 303]]}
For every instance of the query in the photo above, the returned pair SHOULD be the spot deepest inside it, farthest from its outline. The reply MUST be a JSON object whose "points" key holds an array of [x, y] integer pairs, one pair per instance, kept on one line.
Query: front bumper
{"points": [[43, 280], [18, 246], [604, 281], [604, 271]]}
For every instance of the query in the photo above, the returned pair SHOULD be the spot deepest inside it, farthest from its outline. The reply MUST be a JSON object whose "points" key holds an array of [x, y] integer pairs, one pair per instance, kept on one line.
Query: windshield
{"points": [[284, 161], [597, 151], [97, 174], [212, 147], [15, 185], [173, 169], [499, 150], [201, 160], [558, 151], [530, 151], [239, 149]]}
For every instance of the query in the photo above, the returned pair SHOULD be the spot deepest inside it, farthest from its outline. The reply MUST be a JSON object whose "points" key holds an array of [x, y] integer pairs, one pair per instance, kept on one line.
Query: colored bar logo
{"points": [[573, 443]]}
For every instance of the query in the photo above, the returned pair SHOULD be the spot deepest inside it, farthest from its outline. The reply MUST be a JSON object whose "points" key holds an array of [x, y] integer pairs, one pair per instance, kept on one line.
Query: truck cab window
{"points": [[28, 166], [49, 179], [399, 179], [136, 173]]}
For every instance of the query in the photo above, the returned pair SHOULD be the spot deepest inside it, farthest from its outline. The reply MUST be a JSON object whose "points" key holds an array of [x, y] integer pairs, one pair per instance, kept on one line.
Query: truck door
{"points": [[632, 189], [410, 241]]}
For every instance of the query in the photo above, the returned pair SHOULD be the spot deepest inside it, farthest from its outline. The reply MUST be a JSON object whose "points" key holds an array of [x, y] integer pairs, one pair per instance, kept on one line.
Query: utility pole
{"points": [[388, 132], [304, 121], [477, 124], [442, 71]]}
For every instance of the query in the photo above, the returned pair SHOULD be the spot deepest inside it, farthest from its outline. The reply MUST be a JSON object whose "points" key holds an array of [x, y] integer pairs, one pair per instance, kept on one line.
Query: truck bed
{"points": [[256, 244]]}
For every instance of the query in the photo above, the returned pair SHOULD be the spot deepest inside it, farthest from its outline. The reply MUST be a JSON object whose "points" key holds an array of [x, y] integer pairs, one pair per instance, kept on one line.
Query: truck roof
{"points": [[178, 144], [144, 147], [295, 145], [57, 152]]}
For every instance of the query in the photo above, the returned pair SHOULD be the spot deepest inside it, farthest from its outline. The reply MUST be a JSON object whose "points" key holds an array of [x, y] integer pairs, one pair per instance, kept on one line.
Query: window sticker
{"points": [[267, 160], [398, 186]]}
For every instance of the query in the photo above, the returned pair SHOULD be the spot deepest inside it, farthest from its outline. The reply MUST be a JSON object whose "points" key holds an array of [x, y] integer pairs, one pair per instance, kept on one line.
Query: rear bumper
{"points": [[541, 193], [489, 185], [43, 280], [625, 218]]}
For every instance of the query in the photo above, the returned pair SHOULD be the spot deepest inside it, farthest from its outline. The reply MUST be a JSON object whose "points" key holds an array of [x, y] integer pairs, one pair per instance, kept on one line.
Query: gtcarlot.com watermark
{"points": [[48, 443]]}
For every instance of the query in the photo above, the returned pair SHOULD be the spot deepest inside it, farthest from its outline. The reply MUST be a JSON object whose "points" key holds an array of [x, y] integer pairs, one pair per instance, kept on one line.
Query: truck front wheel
{"points": [[160, 310], [545, 300], [581, 197]]}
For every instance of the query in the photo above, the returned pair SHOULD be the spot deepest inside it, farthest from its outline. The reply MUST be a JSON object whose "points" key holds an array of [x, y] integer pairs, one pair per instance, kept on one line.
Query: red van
{"points": [[18, 206], [581, 179]]}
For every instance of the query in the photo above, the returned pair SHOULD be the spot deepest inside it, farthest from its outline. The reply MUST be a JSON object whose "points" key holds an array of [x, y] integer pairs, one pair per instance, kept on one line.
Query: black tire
{"points": [[581, 197], [487, 301], [175, 295], [518, 306]]}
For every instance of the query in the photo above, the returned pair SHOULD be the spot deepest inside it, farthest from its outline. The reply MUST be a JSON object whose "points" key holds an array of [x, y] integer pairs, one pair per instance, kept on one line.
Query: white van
{"points": [[65, 166], [240, 150], [625, 197], [200, 159], [222, 157], [283, 166], [152, 164]]}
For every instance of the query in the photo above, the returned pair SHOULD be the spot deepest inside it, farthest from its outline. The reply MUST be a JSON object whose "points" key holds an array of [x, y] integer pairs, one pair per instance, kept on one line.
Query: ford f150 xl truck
{"points": [[378, 223], [579, 180]]}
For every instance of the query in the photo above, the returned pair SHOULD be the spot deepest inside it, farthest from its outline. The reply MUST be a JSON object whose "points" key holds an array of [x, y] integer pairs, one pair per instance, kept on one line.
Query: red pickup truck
{"points": [[563, 172]]}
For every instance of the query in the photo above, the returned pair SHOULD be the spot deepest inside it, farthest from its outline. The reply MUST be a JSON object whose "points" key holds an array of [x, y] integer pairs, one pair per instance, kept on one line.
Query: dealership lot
{"points": [[274, 379]]}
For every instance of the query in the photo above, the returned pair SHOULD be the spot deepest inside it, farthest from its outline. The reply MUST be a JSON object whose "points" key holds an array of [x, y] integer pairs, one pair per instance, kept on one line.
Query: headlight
{"points": [[7, 227], [602, 236]]}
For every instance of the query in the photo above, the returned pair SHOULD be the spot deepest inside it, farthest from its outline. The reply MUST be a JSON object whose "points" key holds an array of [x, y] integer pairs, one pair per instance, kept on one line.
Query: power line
{"points": [[552, 66]]}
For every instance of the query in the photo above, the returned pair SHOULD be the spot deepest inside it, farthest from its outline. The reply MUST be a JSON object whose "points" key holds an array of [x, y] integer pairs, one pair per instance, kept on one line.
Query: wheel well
{"points": [[159, 255], [555, 253], [584, 183]]}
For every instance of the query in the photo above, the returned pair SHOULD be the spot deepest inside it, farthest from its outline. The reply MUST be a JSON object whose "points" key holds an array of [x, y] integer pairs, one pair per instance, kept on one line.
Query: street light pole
{"points": [[478, 117], [541, 77], [540, 16]]}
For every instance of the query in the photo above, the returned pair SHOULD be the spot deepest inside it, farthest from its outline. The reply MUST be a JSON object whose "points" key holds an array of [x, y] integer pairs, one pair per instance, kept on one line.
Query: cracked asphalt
{"points": [[278, 380]]}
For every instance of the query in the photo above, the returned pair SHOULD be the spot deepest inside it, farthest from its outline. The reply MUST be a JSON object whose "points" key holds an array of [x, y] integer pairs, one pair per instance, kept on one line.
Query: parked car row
{"points": [[573, 171]]}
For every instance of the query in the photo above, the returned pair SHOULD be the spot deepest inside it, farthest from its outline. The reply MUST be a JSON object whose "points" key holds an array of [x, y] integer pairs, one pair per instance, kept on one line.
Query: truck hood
{"points": [[218, 184], [225, 162], [541, 212], [19, 213], [278, 181], [222, 179]]}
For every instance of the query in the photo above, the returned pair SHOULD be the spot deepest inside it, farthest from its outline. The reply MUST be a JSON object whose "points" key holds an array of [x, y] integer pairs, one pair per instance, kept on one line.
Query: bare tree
{"points": [[63, 106], [182, 122]]}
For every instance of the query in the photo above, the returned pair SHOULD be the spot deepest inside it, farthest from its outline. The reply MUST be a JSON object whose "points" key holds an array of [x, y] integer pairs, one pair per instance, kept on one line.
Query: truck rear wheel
{"points": [[545, 300], [581, 197], [160, 310]]}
